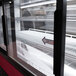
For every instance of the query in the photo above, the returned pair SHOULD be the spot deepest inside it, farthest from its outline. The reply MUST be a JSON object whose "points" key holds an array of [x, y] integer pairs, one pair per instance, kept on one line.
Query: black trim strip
{"points": [[3, 51], [59, 37]]}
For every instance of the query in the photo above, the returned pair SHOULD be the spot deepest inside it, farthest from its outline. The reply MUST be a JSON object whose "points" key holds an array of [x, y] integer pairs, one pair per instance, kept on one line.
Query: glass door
{"points": [[30, 31], [70, 50], [34, 29]]}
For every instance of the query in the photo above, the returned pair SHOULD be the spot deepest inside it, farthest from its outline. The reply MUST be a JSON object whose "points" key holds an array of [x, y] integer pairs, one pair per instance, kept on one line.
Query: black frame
{"points": [[59, 38]]}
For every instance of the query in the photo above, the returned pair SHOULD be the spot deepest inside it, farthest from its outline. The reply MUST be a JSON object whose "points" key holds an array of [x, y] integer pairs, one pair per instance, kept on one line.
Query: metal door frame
{"points": [[59, 37]]}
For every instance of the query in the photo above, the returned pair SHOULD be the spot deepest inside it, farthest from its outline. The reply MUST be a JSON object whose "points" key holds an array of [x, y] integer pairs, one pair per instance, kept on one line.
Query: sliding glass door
{"points": [[30, 26], [34, 28], [70, 50]]}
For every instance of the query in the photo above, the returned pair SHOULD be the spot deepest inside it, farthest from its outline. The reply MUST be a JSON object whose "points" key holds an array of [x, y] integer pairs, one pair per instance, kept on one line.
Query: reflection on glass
{"points": [[31, 1], [1, 31], [34, 35], [70, 51]]}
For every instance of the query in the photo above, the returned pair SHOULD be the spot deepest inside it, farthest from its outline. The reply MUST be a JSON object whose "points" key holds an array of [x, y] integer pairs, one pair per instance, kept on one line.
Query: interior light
{"points": [[10, 2]]}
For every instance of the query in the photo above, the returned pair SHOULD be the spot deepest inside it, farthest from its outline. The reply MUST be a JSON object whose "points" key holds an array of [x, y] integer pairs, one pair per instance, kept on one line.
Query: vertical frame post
{"points": [[5, 27], [59, 37], [13, 34]]}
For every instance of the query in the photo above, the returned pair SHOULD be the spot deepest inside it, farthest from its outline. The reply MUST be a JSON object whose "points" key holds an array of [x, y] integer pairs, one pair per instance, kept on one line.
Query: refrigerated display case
{"points": [[35, 33]]}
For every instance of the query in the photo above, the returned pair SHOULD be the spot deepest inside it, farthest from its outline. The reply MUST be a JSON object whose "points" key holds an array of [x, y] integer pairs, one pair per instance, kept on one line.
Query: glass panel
{"points": [[2, 45], [34, 29], [70, 51], [34, 35]]}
